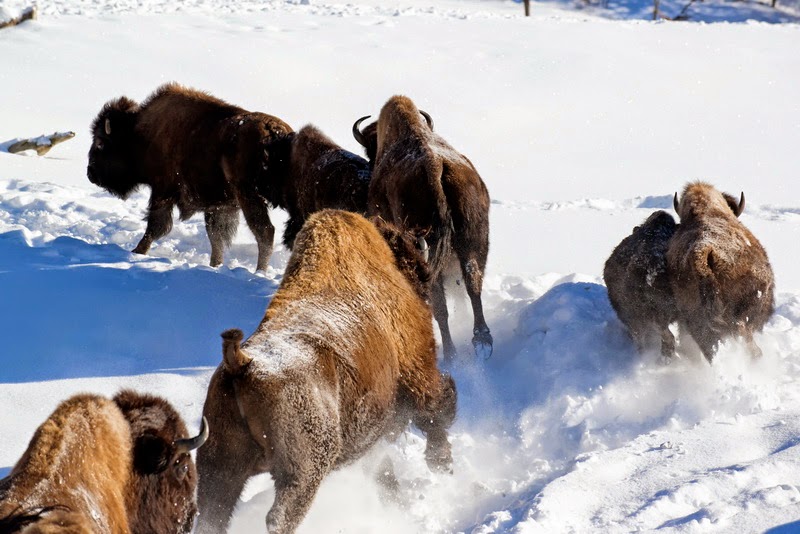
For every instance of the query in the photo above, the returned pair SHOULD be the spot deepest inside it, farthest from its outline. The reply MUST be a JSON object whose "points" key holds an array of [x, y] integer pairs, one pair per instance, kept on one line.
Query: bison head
{"points": [[162, 495], [410, 252], [112, 158], [368, 137], [699, 194]]}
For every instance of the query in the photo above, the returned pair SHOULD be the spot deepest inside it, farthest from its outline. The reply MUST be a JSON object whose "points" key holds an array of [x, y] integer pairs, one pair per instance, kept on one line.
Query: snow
{"points": [[582, 122]]}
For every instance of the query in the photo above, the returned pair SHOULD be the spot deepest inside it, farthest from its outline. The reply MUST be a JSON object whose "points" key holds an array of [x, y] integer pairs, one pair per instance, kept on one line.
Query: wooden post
{"points": [[528, 7], [655, 9], [41, 145], [29, 13]]}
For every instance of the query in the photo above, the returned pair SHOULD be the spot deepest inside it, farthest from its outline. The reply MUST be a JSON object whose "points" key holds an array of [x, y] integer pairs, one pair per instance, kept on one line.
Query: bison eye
{"points": [[98, 143]]}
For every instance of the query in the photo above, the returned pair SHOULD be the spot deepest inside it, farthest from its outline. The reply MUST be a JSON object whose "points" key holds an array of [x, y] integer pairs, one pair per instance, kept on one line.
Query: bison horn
{"points": [[108, 126], [675, 202], [740, 207], [422, 246], [190, 444], [428, 119], [357, 132]]}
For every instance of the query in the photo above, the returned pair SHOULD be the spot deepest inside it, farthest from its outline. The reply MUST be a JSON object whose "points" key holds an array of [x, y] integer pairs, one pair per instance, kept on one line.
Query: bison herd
{"points": [[345, 354]]}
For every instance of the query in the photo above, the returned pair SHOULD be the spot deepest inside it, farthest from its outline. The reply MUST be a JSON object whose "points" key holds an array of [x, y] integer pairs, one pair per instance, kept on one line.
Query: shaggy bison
{"points": [[345, 354], [639, 285], [422, 184], [307, 172], [98, 465], [195, 152], [720, 275]]}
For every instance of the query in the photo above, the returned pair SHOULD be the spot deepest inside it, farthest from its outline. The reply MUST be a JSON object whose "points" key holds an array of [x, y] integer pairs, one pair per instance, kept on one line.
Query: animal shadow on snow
{"points": [[78, 310]]}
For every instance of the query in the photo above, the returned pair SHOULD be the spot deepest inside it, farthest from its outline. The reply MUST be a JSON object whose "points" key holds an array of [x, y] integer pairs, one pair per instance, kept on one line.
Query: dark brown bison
{"points": [[639, 285], [97, 465], [307, 172], [195, 152], [345, 355], [422, 184], [719, 272]]}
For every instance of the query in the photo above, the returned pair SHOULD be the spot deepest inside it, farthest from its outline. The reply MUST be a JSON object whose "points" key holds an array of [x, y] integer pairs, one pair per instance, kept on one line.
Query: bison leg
{"points": [[221, 224], [439, 303], [472, 272], [222, 468], [433, 417], [667, 345], [256, 213], [705, 338], [159, 223], [293, 226], [754, 350]]}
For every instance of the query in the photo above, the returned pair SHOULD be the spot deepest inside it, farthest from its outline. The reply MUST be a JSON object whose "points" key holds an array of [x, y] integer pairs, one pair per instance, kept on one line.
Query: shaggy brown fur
{"points": [[100, 465], [719, 272], [161, 495], [345, 355], [424, 185], [195, 152], [639, 285], [307, 172]]}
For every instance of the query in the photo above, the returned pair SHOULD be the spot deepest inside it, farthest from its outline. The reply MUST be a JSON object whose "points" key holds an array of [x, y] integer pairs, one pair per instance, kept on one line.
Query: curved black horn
{"points": [[427, 118], [357, 132], [108, 126], [675, 202], [190, 444], [740, 207]]}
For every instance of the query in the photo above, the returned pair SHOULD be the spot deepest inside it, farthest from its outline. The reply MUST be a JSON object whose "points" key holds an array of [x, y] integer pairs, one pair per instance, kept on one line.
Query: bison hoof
{"points": [[439, 458], [141, 249], [482, 341]]}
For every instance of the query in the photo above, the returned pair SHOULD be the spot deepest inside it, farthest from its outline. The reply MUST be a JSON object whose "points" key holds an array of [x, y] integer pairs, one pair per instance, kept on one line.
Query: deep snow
{"points": [[580, 126]]}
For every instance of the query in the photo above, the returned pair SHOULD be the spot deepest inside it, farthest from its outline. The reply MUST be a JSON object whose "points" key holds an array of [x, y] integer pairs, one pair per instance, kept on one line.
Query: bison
{"points": [[195, 152], [345, 354], [118, 466], [639, 285], [307, 172], [422, 184], [720, 276]]}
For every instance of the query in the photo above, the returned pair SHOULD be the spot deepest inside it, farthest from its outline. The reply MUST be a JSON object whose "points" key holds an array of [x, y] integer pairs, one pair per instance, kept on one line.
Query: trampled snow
{"points": [[580, 125]]}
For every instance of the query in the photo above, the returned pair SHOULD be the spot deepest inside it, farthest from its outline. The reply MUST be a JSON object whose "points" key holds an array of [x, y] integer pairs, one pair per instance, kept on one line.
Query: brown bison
{"points": [[195, 152], [639, 285], [307, 172], [98, 465], [719, 272], [422, 184], [345, 354]]}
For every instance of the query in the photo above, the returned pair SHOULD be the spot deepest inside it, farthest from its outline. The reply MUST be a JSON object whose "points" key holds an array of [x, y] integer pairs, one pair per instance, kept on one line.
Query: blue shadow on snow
{"points": [[77, 310]]}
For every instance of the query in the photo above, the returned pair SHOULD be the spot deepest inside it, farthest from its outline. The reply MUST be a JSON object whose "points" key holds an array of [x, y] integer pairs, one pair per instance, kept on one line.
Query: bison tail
{"points": [[233, 356], [440, 239]]}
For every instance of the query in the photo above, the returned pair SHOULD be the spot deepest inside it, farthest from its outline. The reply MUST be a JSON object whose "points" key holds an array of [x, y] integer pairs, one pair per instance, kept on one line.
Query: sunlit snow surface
{"points": [[581, 127]]}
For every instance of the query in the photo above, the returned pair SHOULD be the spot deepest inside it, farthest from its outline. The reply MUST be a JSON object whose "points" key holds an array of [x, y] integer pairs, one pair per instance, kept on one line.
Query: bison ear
{"points": [[234, 358], [150, 454]]}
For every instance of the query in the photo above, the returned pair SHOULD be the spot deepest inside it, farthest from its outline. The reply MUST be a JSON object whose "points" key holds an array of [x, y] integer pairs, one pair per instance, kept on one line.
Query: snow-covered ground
{"points": [[581, 125]]}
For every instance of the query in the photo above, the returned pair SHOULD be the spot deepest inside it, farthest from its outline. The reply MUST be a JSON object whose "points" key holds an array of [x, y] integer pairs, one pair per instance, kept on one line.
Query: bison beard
{"points": [[86, 471], [422, 184], [195, 152], [344, 356]]}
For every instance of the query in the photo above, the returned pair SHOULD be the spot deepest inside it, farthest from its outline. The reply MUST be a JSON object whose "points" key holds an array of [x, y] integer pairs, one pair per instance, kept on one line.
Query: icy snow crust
{"points": [[580, 127]]}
